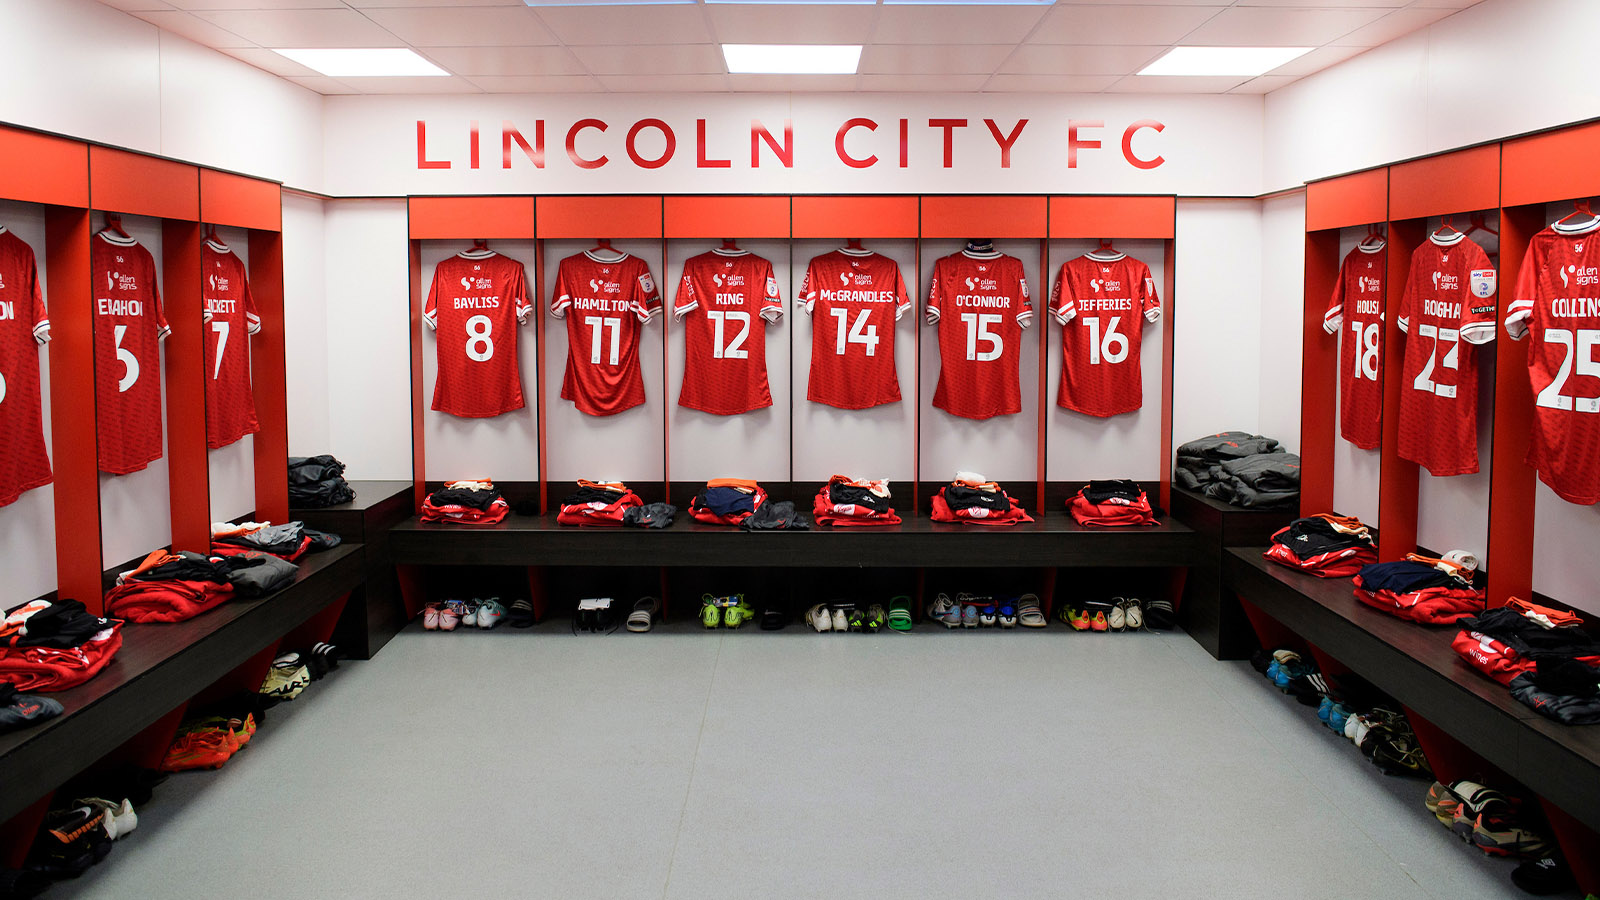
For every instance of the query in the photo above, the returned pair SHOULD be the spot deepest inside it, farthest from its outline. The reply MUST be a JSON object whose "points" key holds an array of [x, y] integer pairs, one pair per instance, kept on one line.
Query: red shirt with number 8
{"points": [[477, 300], [1102, 300]]}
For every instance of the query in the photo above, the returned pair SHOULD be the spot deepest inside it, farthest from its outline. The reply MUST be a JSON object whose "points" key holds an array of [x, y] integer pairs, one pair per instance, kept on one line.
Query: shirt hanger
{"points": [[1476, 222], [1374, 238], [1579, 208], [1448, 225], [114, 223], [730, 244]]}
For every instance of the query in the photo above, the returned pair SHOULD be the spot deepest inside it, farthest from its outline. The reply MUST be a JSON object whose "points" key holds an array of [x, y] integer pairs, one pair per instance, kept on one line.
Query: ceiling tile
{"points": [[186, 25], [652, 59], [505, 61], [322, 84], [536, 84], [932, 59], [1395, 24], [132, 5], [1445, 4], [1050, 84], [1174, 84], [257, 4], [954, 84], [487, 26], [955, 24], [1055, 59], [1317, 60], [303, 27], [792, 83], [390, 4], [645, 84], [1121, 24], [1265, 84], [644, 25], [1144, 2], [272, 62], [413, 85], [782, 23], [1262, 27], [1328, 4]]}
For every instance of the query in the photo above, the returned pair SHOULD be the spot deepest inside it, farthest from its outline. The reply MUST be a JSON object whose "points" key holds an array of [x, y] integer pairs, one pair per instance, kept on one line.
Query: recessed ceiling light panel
{"points": [[792, 59], [1238, 61], [363, 62]]}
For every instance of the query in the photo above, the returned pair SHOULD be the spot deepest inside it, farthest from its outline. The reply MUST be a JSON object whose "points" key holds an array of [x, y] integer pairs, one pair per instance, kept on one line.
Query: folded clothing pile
{"points": [[612, 504], [851, 501], [18, 710], [727, 501], [974, 499], [172, 587], [776, 515], [1430, 590], [1324, 545], [1119, 502], [1241, 469], [288, 541], [466, 503], [53, 646], [1510, 641], [316, 482]]}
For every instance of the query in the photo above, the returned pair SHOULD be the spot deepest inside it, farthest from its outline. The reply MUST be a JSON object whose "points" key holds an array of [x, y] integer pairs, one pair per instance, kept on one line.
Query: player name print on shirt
{"points": [[1102, 300], [606, 300], [128, 329], [24, 327], [1355, 315], [230, 318], [854, 297], [726, 298], [979, 301], [476, 301]]}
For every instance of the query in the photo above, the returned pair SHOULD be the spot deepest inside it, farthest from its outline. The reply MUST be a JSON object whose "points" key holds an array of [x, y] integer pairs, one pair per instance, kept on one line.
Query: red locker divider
{"points": [[1513, 483], [455, 218], [1558, 165], [1169, 314], [240, 201], [1359, 198], [1319, 378], [1397, 478], [720, 217], [855, 217], [43, 168], [599, 217], [185, 388], [1448, 183], [120, 181], [985, 216], [268, 375], [419, 455], [1113, 217]]}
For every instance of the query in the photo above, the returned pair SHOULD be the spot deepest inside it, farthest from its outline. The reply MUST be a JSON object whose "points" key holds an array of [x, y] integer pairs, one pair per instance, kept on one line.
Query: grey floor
{"points": [[746, 765]]}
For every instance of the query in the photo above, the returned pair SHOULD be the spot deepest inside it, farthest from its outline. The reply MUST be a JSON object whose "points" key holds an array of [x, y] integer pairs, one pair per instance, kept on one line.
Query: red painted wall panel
{"points": [[855, 217], [185, 362], [981, 217], [72, 414], [1356, 199], [459, 218], [1113, 217], [726, 217], [125, 182], [228, 199], [1447, 183], [599, 217], [43, 168], [1558, 165], [1513, 484]]}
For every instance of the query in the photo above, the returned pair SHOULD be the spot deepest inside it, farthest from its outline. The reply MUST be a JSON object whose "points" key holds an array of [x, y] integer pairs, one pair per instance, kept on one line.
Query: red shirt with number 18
{"points": [[1356, 313]]}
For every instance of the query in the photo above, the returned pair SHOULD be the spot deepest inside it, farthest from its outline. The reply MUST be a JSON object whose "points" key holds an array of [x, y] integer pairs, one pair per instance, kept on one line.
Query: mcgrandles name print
{"points": [[855, 143]]}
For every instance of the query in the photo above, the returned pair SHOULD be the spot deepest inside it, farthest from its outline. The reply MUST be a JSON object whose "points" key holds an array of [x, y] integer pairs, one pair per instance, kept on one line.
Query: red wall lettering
{"points": [[509, 134], [666, 153], [759, 133], [572, 144], [472, 146], [1127, 143], [838, 143], [949, 126], [905, 143], [1006, 141], [700, 160], [423, 162], [1073, 143]]}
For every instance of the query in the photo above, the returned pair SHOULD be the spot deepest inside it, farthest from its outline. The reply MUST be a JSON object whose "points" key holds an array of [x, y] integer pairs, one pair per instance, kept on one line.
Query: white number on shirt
{"points": [[597, 324], [1366, 350], [1424, 380], [1582, 341], [130, 363], [1113, 348], [734, 349], [860, 331], [2, 387], [480, 346], [978, 330], [220, 326]]}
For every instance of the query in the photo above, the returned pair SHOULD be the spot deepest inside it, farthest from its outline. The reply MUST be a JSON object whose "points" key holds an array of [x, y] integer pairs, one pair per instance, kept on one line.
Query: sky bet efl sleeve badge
{"points": [[1482, 283]]}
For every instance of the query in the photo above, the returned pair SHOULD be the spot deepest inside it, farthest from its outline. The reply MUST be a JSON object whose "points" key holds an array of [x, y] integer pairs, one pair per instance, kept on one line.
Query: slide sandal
{"points": [[1029, 613], [900, 613], [643, 616]]}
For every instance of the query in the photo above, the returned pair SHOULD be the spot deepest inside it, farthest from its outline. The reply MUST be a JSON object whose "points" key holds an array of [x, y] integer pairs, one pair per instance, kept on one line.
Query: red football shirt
{"points": [[1448, 302], [980, 340], [1356, 311], [1557, 301], [477, 300], [230, 319], [128, 329], [728, 297], [853, 297], [24, 325], [606, 302], [1102, 301]]}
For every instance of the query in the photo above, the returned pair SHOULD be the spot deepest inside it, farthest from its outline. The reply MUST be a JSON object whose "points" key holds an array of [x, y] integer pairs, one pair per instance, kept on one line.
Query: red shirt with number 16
{"points": [[1102, 301]]}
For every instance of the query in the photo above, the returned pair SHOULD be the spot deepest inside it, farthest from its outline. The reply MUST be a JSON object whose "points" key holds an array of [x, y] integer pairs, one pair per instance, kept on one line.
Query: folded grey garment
{"points": [[1266, 471], [1237, 493], [1565, 708], [1228, 445], [269, 574]]}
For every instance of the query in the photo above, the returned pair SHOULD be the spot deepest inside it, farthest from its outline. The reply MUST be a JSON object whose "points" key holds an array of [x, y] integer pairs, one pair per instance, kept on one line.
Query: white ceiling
{"points": [[502, 46]]}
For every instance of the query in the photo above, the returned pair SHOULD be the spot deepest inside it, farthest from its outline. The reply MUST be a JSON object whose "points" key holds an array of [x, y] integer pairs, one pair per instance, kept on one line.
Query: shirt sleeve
{"points": [[646, 299], [1063, 305], [771, 300], [686, 301], [162, 328], [41, 315], [902, 301], [1479, 311], [517, 289], [1149, 300], [252, 319], [1333, 318], [560, 296], [1025, 302], [807, 298], [430, 310], [1407, 301], [1520, 312], [935, 294]]}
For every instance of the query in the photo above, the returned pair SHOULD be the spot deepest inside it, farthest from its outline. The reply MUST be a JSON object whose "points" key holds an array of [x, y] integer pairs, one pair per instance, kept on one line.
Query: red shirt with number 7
{"points": [[230, 319], [606, 301]]}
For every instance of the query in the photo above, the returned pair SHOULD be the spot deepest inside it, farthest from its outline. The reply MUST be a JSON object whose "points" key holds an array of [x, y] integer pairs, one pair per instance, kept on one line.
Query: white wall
{"points": [[1217, 317], [1283, 268], [305, 313], [233, 468], [27, 527], [1355, 470]]}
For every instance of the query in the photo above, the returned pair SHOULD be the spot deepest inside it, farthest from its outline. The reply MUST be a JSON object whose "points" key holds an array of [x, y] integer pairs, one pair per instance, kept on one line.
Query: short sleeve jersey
{"points": [[476, 301], [1557, 305], [24, 326], [854, 298], [1356, 313], [606, 302], [1102, 301], [128, 329], [726, 298], [1448, 308], [980, 303], [230, 320]]}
